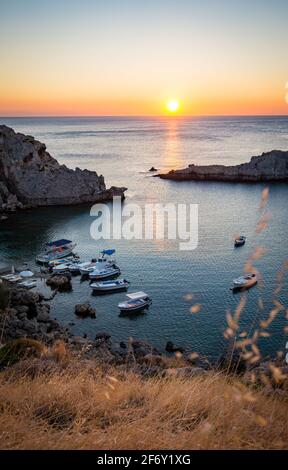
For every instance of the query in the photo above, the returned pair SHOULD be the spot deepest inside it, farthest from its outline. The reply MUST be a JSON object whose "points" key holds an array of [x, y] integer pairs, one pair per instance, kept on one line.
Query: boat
{"points": [[110, 286], [239, 241], [11, 277], [61, 268], [28, 284], [137, 302], [56, 250], [87, 268], [103, 261], [105, 272], [74, 268], [56, 262], [246, 281]]}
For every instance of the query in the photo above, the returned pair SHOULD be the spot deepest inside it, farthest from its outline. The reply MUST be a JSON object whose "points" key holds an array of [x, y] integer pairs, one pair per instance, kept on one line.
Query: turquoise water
{"points": [[123, 149]]}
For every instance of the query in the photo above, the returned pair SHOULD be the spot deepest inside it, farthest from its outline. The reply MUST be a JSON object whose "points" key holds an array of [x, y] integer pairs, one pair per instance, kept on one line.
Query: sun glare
{"points": [[172, 106]]}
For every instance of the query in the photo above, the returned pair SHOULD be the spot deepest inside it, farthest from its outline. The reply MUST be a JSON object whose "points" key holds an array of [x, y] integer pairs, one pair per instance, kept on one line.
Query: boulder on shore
{"points": [[31, 177], [268, 167]]}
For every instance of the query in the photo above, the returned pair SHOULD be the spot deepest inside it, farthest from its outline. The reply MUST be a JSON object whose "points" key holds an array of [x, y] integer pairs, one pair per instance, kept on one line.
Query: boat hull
{"points": [[48, 257], [108, 275], [98, 289]]}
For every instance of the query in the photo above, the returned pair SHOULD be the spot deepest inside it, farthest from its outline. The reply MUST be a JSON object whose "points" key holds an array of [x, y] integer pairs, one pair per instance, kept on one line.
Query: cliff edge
{"points": [[31, 177]]}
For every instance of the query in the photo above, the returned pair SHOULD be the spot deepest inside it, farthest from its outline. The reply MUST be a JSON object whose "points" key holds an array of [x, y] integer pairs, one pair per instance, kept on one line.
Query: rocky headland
{"points": [[268, 167], [31, 177]]}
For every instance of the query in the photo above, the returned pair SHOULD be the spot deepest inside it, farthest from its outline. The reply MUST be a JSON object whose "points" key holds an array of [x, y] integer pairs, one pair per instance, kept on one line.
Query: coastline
{"points": [[270, 167]]}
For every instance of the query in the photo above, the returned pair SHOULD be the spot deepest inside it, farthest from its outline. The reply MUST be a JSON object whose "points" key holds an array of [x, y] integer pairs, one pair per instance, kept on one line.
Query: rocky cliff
{"points": [[270, 166], [30, 177]]}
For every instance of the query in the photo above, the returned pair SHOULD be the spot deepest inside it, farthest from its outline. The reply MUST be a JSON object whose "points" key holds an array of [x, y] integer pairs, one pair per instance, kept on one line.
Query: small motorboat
{"points": [[105, 272], [100, 262], [61, 268], [239, 241], [56, 250], [75, 268], [70, 259], [110, 286], [246, 281], [28, 284], [87, 268], [12, 277], [137, 302]]}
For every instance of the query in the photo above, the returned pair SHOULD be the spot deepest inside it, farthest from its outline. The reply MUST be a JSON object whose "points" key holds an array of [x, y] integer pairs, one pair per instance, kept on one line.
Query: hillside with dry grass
{"points": [[57, 401]]}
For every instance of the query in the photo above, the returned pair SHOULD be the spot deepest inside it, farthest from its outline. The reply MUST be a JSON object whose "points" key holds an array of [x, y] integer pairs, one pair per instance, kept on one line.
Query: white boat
{"points": [[11, 277], [56, 250], [104, 273], [74, 268], [99, 263], [61, 268], [57, 262], [246, 281], [28, 284], [239, 241], [110, 286], [87, 268], [137, 302]]}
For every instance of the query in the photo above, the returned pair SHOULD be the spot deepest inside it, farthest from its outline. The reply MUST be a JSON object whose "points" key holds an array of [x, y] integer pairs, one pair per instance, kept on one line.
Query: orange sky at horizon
{"points": [[86, 58], [276, 105]]}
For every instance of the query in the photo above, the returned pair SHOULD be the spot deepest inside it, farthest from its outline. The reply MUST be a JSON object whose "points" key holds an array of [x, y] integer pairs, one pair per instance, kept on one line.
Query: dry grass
{"points": [[80, 406]]}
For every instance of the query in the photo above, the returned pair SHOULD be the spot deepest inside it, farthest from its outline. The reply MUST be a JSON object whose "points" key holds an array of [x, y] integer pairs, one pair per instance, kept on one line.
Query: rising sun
{"points": [[172, 106]]}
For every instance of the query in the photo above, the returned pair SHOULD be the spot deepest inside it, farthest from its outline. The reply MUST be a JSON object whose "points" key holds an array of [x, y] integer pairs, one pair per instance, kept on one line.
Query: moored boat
{"points": [[246, 281], [105, 259], [105, 272], [61, 268], [110, 286], [137, 302], [12, 277], [56, 250], [239, 241], [28, 284]]}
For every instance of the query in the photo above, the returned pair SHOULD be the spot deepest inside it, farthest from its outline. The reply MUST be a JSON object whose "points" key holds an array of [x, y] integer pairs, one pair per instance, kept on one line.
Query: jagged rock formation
{"points": [[30, 177], [270, 166]]}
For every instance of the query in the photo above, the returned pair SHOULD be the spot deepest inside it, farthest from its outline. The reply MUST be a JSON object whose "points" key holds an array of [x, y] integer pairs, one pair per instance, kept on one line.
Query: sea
{"points": [[123, 149]]}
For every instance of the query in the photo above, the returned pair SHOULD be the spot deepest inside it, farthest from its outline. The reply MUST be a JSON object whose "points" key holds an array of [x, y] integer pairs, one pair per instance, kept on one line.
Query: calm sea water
{"points": [[123, 149]]}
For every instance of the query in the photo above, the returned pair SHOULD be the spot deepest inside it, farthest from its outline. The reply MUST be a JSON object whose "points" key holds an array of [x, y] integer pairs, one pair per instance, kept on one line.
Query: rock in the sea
{"points": [[30, 177], [59, 282], [153, 168], [170, 347], [85, 310], [270, 166]]}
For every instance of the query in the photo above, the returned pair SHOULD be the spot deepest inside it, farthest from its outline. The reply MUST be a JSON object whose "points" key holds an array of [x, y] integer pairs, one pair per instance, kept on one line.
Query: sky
{"points": [[130, 57]]}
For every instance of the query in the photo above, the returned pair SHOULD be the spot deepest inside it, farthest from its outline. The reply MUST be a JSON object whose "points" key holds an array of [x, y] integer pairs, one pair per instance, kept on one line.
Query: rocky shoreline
{"points": [[268, 167], [30, 177], [28, 317]]}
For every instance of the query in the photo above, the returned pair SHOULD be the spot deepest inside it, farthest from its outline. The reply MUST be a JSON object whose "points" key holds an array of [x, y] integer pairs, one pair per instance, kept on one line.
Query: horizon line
{"points": [[137, 116]]}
